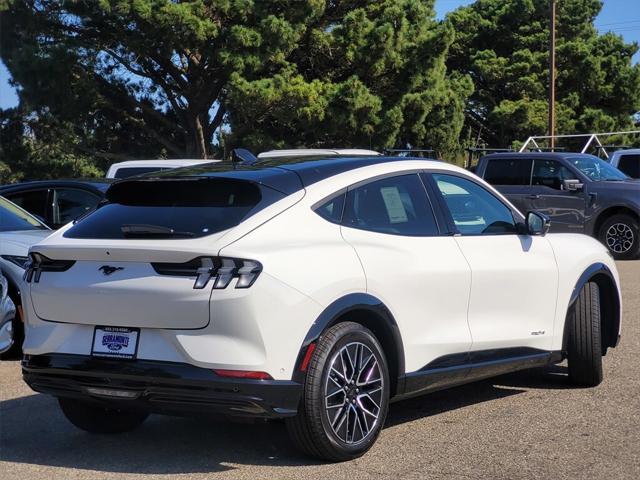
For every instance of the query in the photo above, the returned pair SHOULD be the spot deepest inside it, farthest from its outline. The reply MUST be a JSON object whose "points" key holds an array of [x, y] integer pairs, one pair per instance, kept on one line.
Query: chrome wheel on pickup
{"points": [[620, 234], [620, 237]]}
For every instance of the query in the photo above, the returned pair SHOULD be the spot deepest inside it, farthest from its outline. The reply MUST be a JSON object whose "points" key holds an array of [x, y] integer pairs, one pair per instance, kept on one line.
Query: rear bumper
{"points": [[160, 387]]}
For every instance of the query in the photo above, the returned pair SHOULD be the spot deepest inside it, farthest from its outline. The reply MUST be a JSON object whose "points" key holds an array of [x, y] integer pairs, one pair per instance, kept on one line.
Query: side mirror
{"points": [[244, 156], [572, 185], [537, 224]]}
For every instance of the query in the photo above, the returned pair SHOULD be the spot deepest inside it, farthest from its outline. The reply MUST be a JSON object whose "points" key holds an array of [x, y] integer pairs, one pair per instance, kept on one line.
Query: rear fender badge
{"points": [[539, 332], [108, 269]]}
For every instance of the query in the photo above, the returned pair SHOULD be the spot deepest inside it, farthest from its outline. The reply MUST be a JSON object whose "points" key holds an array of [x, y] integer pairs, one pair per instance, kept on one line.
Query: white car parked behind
{"points": [[132, 168]]}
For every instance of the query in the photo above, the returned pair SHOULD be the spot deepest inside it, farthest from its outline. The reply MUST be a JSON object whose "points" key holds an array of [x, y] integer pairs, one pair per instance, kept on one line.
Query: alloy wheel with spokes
{"points": [[620, 233], [353, 392], [346, 395], [619, 238]]}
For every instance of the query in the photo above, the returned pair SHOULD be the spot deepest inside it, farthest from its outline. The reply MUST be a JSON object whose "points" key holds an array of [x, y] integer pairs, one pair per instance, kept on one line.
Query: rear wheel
{"points": [[585, 339], [97, 419], [346, 395], [621, 235]]}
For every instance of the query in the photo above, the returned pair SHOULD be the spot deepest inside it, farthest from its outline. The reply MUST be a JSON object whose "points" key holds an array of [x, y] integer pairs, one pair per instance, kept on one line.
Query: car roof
{"points": [[161, 162], [285, 174], [528, 155], [94, 184], [624, 151], [318, 152]]}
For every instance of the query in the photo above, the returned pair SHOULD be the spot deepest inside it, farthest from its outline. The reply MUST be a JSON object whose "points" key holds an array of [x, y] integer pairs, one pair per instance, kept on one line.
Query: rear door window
{"points": [[395, 205], [508, 171], [173, 208], [630, 164], [71, 203]]}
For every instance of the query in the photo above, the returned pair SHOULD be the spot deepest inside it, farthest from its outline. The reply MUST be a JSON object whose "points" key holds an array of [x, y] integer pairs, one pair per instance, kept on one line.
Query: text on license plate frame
{"points": [[115, 342]]}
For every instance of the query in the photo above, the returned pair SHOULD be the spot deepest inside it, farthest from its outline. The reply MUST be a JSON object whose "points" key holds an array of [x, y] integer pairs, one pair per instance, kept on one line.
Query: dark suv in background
{"points": [[57, 202], [579, 192]]}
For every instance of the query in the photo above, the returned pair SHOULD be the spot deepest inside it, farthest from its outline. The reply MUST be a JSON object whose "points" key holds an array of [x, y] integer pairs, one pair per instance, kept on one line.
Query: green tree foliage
{"points": [[503, 45], [148, 78], [151, 69], [39, 147], [364, 73]]}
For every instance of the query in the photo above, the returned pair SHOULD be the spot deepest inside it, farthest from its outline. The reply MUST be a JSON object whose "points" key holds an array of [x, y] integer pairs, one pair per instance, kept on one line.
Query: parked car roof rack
{"points": [[546, 149], [592, 140]]}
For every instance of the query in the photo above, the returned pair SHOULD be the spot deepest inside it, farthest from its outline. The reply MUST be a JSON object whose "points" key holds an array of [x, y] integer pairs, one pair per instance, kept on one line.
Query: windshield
{"points": [[596, 169], [14, 218]]}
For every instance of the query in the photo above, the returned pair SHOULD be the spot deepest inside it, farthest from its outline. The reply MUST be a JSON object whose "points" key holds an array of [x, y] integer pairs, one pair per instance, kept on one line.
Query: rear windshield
{"points": [[173, 208]]}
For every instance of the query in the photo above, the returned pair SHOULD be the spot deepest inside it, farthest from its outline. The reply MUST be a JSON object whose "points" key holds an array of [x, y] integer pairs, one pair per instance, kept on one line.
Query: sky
{"points": [[619, 16]]}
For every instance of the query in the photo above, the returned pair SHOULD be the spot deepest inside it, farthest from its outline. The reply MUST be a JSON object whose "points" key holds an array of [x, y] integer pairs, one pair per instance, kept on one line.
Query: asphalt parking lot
{"points": [[523, 425]]}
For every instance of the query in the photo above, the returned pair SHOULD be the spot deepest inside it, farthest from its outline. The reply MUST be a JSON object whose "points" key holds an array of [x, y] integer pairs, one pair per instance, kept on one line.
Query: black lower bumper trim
{"points": [[162, 387]]}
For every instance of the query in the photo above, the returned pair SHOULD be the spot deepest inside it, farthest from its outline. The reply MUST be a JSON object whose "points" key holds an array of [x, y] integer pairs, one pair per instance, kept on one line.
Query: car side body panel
{"points": [[570, 271]]}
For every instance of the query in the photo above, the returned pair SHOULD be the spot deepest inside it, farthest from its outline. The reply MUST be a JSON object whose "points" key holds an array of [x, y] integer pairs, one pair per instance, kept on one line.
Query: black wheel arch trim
{"points": [[610, 307], [358, 302]]}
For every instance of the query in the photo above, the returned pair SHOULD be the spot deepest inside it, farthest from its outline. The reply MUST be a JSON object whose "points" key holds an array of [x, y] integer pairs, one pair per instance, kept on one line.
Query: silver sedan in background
{"points": [[7, 317], [19, 230]]}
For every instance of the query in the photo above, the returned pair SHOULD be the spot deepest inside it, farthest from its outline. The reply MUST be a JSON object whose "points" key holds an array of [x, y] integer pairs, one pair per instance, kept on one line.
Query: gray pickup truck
{"points": [[579, 192]]}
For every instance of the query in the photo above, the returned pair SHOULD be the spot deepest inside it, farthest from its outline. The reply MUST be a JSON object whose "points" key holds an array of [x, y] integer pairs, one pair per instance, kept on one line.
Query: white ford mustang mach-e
{"points": [[315, 291]]}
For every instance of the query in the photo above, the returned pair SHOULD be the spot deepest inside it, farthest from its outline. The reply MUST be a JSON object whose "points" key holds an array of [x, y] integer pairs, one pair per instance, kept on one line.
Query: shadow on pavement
{"points": [[34, 431]]}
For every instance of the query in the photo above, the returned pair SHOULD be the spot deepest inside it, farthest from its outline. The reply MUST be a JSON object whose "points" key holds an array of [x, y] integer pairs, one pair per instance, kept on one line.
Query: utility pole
{"points": [[552, 75]]}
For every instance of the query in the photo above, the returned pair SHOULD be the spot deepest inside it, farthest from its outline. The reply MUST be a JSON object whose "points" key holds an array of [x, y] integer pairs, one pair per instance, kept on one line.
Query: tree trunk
{"points": [[196, 141]]}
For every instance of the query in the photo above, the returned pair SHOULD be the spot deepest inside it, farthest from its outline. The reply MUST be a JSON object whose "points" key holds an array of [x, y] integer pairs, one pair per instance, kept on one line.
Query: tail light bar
{"points": [[219, 269], [38, 263]]}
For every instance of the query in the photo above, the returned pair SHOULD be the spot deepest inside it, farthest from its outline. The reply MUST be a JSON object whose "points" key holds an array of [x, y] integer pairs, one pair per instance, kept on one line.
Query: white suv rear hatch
{"points": [[134, 261]]}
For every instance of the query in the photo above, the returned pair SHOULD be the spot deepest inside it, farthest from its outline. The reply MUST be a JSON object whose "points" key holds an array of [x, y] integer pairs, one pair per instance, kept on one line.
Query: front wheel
{"points": [[97, 419], [621, 235], [585, 339], [346, 395]]}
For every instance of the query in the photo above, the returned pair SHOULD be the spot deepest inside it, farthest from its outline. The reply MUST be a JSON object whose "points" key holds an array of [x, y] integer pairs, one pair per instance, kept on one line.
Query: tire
{"points": [[620, 233], [584, 346], [97, 419], [344, 430], [15, 329]]}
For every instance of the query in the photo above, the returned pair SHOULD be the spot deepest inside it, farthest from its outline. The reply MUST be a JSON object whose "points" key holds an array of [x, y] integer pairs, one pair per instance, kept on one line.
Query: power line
{"points": [[616, 23]]}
